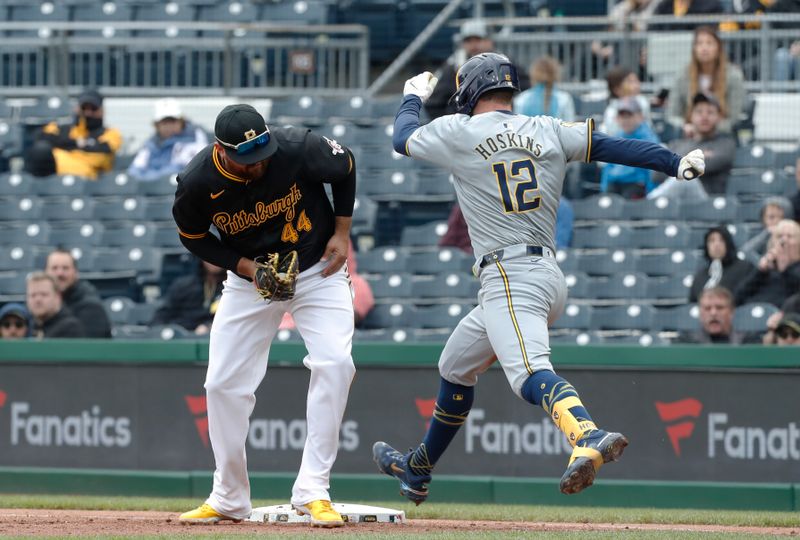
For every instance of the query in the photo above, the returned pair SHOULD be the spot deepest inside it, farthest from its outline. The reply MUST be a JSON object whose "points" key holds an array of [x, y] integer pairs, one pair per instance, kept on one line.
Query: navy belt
{"points": [[497, 255]]}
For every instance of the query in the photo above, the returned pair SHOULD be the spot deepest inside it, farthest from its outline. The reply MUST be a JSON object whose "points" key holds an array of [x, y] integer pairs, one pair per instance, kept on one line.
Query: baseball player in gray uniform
{"points": [[508, 171]]}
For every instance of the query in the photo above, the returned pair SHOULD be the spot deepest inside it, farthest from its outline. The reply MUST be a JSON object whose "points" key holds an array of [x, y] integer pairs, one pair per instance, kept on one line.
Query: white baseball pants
{"points": [[243, 329]]}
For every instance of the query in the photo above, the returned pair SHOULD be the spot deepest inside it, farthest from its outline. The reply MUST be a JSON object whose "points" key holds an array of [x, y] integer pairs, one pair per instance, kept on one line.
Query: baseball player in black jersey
{"points": [[262, 190]]}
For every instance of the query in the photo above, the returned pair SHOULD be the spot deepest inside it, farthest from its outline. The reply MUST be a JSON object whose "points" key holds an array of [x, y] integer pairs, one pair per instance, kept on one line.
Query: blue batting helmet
{"points": [[478, 75]]}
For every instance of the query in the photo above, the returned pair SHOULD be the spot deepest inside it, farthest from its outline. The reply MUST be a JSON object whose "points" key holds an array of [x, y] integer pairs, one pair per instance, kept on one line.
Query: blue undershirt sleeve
{"points": [[634, 153], [406, 122]]}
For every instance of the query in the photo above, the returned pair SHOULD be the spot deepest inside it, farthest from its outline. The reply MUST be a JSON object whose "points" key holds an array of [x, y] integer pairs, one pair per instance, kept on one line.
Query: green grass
{"points": [[444, 511]]}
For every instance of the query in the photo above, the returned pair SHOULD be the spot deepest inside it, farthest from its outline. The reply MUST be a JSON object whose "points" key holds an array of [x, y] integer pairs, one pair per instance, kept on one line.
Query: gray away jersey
{"points": [[508, 170]]}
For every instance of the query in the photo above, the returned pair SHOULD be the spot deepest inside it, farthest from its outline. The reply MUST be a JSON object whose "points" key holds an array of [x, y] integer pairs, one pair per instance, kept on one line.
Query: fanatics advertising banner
{"points": [[682, 425]]}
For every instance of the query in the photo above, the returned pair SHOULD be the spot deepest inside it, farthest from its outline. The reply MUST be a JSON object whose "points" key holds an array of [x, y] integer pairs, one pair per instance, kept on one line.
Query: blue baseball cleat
{"points": [[585, 461], [412, 486]]}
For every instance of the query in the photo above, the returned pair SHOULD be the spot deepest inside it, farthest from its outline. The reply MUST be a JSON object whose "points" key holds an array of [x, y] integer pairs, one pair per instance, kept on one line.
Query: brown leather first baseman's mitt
{"points": [[276, 277]]}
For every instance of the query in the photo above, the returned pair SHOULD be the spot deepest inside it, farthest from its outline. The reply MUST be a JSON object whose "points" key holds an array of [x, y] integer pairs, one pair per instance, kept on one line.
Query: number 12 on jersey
{"points": [[524, 198]]}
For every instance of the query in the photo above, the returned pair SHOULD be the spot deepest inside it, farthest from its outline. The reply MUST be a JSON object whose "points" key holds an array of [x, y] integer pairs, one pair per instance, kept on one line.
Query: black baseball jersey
{"points": [[286, 209]]}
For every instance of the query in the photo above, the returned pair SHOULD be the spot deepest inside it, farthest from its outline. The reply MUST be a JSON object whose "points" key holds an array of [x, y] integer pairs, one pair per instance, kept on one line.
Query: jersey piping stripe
{"points": [[514, 318], [222, 171], [192, 236], [589, 129]]}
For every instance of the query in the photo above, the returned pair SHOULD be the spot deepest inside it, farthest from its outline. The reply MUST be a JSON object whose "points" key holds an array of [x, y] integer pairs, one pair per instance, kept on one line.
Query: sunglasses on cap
{"points": [[786, 333], [245, 147], [14, 323]]}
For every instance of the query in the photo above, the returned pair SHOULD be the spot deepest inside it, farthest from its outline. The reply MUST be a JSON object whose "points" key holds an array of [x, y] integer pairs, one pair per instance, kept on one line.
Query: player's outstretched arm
{"points": [[416, 90], [648, 155]]}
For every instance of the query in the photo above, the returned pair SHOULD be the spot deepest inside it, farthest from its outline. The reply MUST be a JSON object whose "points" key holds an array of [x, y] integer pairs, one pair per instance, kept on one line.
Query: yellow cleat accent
{"points": [[204, 514], [321, 512]]}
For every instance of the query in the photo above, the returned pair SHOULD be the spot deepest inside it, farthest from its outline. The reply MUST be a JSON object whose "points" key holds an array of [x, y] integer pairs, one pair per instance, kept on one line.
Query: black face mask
{"points": [[93, 123]]}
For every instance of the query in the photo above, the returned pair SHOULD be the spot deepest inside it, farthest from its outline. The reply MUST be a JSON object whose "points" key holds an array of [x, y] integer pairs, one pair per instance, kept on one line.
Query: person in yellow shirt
{"points": [[84, 147]]}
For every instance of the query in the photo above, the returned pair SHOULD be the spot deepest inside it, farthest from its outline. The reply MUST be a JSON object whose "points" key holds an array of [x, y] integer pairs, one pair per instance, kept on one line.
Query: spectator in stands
{"points": [[778, 273], [84, 147], [630, 182], [796, 197], [457, 234], [475, 39], [773, 210], [544, 98], [51, 317], [79, 296], [723, 268], [716, 320], [709, 72], [718, 148], [363, 299], [787, 331], [623, 83], [15, 322], [191, 301], [679, 8], [174, 144]]}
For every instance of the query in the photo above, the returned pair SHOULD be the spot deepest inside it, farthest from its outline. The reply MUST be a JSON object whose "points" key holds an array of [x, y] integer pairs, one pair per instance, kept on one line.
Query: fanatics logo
{"points": [[197, 406], [425, 409], [683, 413], [2, 398]]}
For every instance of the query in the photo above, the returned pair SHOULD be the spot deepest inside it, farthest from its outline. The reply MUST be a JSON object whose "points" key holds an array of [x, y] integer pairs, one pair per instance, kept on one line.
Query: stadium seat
{"points": [[382, 260], [166, 12], [578, 284], [668, 264], [568, 260], [580, 338], [40, 12], [664, 236], [54, 108], [423, 235], [13, 284], [16, 184], [753, 317], [751, 210], [394, 285], [435, 183], [11, 142], [387, 316], [631, 317], [674, 287], [607, 263], [166, 236], [384, 158], [644, 340], [159, 208], [603, 236], [575, 316], [119, 309], [763, 183], [601, 206], [439, 316], [156, 188], [227, 12], [303, 109], [77, 233], [167, 332], [60, 186], [356, 109], [715, 210], [68, 208], [390, 184], [128, 259], [379, 137], [25, 234], [113, 184], [622, 286], [120, 208], [447, 285], [130, 234], [109, 13], [661, 209], [757, 157], [294, 11], [429, 335], [679, 319], [440, 260], [16, 209], [365, 215], [18, 257]]}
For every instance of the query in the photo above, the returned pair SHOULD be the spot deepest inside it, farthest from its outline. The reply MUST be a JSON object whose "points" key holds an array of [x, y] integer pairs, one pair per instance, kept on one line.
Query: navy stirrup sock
{"points": [[560, 400], [449, 414]]}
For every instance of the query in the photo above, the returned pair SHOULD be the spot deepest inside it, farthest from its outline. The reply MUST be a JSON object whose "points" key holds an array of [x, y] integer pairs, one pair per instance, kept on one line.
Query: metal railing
{"points": [[141, 58]]}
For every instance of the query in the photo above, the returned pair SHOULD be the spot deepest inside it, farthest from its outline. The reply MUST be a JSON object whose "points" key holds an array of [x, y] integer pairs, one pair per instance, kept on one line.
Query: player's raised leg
{"points": [[323, 312], [246, 325], [520, 304], [466, 355]]}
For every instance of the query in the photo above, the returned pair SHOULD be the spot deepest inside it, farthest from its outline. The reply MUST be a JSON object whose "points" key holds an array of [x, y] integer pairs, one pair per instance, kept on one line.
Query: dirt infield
{"points": [[24, 522]]}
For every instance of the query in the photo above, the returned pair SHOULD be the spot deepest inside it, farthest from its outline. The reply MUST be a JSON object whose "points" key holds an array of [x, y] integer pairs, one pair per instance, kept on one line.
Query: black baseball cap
{"points": [[91, 97], [789, 321], [702, 97], [244, 134]]}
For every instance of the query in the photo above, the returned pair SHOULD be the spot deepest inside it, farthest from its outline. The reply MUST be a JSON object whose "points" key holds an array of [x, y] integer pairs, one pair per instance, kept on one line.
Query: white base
{"points": [[351, 513]]}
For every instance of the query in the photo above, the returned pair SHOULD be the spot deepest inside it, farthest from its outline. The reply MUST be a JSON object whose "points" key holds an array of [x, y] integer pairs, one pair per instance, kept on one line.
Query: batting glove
{"points": [[421, 85], [692, 165]]}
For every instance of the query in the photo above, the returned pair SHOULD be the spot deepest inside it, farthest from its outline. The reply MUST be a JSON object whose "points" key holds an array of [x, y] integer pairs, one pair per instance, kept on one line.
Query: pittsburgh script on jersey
{"points": [[501, 141], [242, 220]]}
